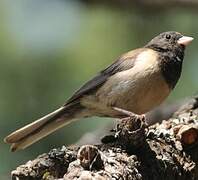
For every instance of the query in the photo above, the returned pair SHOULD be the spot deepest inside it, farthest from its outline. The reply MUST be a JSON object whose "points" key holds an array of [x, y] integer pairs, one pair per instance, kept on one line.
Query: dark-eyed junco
{"points": [[136, 82]]}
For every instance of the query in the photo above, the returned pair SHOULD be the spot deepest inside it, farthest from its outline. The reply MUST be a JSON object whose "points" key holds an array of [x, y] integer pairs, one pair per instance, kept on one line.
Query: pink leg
{"points": [[130, 115]]}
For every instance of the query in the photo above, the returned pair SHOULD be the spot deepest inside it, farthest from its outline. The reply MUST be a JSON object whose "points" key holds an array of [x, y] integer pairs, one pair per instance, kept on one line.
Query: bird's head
{"points": [[170, 47], [169, 41]]}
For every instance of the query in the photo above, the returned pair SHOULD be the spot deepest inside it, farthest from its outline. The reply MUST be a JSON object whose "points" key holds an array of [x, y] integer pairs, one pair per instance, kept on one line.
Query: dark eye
{"points": [[168, 36]]}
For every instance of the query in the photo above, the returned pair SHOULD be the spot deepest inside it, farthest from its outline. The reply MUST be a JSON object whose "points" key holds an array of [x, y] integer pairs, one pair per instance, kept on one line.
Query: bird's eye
{"points": [[168, 36]]}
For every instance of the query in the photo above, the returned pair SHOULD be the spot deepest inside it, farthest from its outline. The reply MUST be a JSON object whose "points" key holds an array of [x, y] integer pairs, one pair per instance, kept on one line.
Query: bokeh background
{"points": [[49, 48]]}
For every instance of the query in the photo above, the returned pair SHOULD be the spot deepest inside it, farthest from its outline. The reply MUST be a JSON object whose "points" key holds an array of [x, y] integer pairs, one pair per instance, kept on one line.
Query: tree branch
{"points": [[162, 151]]}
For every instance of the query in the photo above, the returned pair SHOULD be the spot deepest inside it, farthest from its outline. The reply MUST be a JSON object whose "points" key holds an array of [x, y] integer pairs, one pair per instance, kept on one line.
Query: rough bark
{"points": [[166, 151]]}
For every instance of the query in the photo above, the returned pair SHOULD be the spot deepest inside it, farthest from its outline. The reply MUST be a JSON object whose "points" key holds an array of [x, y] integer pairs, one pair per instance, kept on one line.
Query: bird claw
{"points": [[131, 116]]}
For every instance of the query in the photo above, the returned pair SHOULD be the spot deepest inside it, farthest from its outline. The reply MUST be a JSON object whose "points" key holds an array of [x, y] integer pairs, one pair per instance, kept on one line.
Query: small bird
{"points": [[135, 83]]}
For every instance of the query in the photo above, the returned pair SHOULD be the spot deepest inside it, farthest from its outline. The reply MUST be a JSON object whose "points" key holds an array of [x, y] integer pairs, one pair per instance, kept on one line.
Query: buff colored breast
{"points": [[138, 89]]}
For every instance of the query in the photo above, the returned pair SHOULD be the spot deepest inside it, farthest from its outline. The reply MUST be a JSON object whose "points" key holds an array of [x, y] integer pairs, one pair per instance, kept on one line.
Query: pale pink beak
{"points": [[185, 40]]}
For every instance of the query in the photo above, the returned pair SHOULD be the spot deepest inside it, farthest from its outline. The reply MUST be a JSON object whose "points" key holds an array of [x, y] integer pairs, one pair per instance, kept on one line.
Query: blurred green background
{"points": [[49, 48]]}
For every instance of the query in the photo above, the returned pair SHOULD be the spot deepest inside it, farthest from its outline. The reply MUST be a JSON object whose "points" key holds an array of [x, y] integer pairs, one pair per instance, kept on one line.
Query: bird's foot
{"points": [[130, 116], [131, 131]]}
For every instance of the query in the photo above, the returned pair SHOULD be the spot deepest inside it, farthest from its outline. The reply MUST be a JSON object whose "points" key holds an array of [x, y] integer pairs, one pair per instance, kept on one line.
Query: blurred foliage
{"points": [[43, 63]]}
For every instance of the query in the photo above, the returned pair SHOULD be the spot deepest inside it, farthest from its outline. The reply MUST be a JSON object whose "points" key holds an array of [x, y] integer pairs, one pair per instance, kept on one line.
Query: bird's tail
{"points": [[33, 132]]}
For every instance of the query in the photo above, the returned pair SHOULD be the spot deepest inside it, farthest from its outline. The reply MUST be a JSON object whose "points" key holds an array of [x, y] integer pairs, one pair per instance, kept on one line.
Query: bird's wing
{"points": [[123, 63]]}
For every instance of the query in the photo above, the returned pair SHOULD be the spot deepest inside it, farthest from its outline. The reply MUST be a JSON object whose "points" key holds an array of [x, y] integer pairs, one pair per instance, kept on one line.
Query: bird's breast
{"points": [[138, 89]]}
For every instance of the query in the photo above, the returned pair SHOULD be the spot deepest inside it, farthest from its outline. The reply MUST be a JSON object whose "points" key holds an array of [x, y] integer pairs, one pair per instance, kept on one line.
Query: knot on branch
{"points": [[90, 157]]}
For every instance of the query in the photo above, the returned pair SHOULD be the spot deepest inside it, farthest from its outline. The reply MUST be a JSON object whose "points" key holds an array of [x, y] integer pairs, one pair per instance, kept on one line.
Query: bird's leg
{"points": [[130, 115], [131, 121], [131, 131]]}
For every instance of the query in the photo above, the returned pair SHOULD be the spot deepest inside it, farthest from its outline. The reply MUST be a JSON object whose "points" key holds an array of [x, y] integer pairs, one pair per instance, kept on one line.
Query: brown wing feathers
{"points": [[125, 62]]}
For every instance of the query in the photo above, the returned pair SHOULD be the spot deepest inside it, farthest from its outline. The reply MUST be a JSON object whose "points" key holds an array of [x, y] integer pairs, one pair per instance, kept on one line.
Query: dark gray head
{"points": [[170, 46], [169, 41]]}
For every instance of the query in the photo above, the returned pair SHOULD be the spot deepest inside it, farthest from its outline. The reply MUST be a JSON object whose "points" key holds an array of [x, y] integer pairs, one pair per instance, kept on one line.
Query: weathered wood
{"points": [[165, 151]]}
